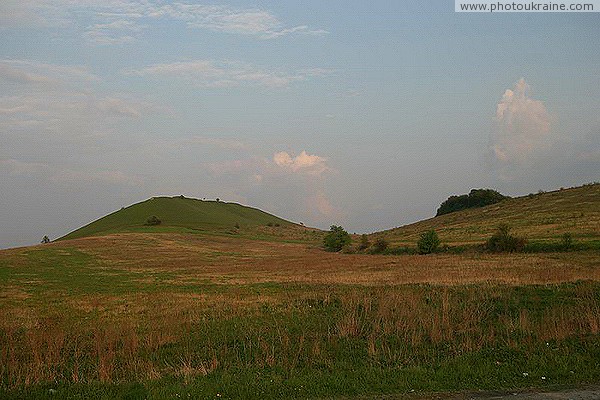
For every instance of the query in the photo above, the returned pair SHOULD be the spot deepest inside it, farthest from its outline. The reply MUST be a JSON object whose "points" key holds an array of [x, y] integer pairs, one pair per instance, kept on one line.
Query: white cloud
{"points": [[67, 113], [303, 163], [254, 22], [120, 21], [208, 73], [116, 32], [43, 74], [522, 126], [120, 107], [319, 205], [55, 98]]}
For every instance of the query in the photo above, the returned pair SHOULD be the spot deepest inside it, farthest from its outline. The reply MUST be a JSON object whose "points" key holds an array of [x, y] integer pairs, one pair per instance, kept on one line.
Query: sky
{"points": [[361, 114]]}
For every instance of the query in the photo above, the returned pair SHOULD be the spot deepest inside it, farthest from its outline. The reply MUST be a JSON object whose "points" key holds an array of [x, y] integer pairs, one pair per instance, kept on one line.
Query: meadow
{"points": [[178, 315]]}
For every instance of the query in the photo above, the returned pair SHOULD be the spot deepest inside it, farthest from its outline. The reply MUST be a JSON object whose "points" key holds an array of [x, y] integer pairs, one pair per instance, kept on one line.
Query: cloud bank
{"points": [[123, 21], [209, 73]]}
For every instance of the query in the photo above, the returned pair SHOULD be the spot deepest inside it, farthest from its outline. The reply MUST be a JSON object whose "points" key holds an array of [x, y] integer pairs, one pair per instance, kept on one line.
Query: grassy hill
{"points": [[541, 216], [178, 214]]}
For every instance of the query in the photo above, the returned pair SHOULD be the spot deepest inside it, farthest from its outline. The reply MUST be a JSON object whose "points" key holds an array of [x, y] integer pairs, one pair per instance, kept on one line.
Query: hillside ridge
{"points": [[545, 215], [177, 213]]}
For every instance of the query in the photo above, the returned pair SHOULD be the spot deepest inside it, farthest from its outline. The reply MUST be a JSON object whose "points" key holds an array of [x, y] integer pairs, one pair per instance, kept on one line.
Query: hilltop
{"points": [[540, 216], [178, 214]]}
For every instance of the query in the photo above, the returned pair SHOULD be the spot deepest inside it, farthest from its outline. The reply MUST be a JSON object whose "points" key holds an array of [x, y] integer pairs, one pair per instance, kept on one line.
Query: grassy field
{"points": [[263, 312]]}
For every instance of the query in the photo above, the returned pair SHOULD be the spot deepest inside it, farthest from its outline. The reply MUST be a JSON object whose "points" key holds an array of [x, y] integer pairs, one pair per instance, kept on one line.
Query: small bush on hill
{"points": [[153, 220], [567, 241], [336, 239], [364, 243], [475, 198], [380, 245], [503, 241], [428, 242]]}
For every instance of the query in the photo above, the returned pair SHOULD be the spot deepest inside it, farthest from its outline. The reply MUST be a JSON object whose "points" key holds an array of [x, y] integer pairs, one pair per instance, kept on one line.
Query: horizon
{"points": [[361, 115], [224, 201]]}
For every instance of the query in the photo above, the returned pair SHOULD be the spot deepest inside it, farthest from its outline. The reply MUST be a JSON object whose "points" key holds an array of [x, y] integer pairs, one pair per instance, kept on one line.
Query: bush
{"points": [[503, 241], [567, 241], [428, 242], [364, 243], [153, 220], [336, 239], [380, 245]]}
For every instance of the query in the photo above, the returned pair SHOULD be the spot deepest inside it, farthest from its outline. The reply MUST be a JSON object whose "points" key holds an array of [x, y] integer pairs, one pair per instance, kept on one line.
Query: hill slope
{"points": [[540, 216], [177, 213]]}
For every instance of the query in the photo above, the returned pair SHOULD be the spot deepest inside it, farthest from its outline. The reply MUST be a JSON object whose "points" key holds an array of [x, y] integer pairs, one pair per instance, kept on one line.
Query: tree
{"points": [[45, 239], [364, 242], [503, 241], [475, 198], [153, 220], [336, 239], [428, 242], [380, 245]]}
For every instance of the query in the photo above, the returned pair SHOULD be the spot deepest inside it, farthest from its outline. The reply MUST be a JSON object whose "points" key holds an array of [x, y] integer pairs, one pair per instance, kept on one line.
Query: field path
{"points": [[584, 393]]}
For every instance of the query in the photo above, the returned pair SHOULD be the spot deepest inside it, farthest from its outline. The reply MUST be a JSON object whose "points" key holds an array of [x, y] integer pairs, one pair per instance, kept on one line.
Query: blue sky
{"points": [[365, 114]]}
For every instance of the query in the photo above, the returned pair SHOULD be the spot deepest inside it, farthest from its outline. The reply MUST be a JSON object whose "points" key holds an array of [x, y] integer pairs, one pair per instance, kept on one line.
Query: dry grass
{"points": [[192, 259], [201, 304], [181, 335]]}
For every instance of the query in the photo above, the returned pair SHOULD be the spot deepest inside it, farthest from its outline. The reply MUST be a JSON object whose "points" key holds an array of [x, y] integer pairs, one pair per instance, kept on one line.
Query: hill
{"points": [[178, 214], [541, 216]]}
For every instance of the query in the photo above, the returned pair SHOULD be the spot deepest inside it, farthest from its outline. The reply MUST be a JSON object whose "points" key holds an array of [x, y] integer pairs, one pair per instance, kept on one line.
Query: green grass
{"points": [[178, 215], [269, 351]]}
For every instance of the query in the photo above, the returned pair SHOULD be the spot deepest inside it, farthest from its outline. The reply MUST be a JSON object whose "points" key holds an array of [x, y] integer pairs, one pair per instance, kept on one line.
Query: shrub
{"points": [[237, 226], [380, 245], [336, 239], [428, 242], [364, 243], [503, 241], [567, 241], [269, 224], [153, 220]]}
